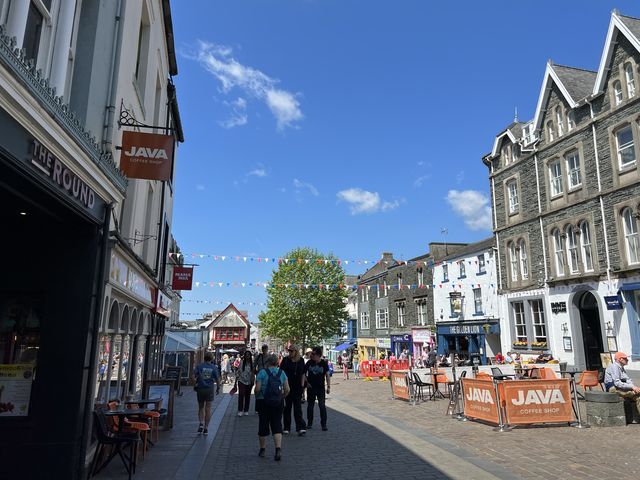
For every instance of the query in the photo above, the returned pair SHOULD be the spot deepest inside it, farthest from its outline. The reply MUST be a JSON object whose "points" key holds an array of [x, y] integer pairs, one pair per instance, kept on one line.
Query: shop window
{"points": [[364, 320], [539, 324], [20, 318], [519, 321], [401, 315]]}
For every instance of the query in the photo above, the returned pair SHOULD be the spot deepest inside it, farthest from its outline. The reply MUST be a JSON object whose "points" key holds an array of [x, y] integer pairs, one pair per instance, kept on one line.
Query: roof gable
{"points": [[550, 78], [496, 144], [230, 317], [627, 26]]}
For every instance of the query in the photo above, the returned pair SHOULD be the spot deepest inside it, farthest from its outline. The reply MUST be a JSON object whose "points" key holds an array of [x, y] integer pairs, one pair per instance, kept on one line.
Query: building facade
{"points": [[465, 300], [565, 189]]}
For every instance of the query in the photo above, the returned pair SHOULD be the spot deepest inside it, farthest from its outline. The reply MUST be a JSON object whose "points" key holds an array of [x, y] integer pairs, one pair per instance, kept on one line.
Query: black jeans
{"points": [[294, 399], [312, 394]]}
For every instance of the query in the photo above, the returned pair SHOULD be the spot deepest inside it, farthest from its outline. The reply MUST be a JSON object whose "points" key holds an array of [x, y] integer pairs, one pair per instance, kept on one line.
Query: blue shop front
{"points": [[468, 339], [400, 343]]}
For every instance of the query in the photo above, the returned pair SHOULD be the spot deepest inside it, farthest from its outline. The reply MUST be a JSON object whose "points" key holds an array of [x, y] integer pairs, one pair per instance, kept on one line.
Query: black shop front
{"points": [[50, 290]]}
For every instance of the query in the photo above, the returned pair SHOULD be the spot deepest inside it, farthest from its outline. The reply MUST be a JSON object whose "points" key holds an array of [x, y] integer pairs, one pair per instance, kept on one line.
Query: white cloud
{"points": [[420, 180], [299, 185], [460, 177], [363, 201], [473, 207], [219, 61], [200, 187], [258, 172]]}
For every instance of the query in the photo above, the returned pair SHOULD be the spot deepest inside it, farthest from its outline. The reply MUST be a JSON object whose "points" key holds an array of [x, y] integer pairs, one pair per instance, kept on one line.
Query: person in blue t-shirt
{"points": [[270, 416], [204, 376]]}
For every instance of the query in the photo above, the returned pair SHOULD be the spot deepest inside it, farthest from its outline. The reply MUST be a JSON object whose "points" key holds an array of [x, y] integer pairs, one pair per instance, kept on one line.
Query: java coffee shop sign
{"points": [[147, 155]]}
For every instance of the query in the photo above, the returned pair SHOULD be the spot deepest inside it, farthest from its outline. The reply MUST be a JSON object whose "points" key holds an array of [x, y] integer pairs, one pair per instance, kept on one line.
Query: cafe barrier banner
{"points": [[480, 400], [399, 384], [537, 401], [15, 389], [147, 155]]}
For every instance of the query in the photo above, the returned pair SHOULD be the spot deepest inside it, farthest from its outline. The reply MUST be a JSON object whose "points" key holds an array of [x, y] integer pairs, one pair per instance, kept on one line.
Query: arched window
{"points": [[631, 83], [585, 246], [559, 252], [571, 121], [572, 248], [550, 131], [559, 121], [524, 263], [632, 243], [617, 92], [513, 261]]}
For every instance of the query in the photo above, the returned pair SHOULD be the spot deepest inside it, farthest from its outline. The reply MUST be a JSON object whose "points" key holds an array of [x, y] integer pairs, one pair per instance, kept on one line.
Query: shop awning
{"points": [[630, 286], [176, 343], [343, 346]]}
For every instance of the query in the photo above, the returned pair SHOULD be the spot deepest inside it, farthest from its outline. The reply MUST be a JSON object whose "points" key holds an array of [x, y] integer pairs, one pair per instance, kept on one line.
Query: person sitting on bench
{"points": [[617, 381]]}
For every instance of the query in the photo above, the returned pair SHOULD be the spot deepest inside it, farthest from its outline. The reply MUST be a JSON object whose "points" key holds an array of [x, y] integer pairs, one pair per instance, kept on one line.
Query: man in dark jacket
{"points": [[293, 367]]}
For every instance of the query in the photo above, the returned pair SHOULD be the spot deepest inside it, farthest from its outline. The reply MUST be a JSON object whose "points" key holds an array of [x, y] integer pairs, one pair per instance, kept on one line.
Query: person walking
{"points": [[245, 379], [345, 365], [204, 375], [293, 366], [355, 360], [316, 373], [260, 359], [271, 389]]}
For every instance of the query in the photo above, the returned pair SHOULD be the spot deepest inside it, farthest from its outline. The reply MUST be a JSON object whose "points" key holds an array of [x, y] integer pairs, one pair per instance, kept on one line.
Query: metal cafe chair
{"points": [[420, 384], [118, 442]]}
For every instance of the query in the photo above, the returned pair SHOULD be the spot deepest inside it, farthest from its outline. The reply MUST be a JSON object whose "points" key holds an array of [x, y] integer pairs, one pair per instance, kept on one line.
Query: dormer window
{"points": [[550, 131], [571, 121], [559, 122], [617, 92], [506, 154], [631, 83]]}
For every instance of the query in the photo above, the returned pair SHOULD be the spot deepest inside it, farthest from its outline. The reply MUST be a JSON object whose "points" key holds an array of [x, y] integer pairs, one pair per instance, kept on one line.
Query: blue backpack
{"points": [[274, 393]]}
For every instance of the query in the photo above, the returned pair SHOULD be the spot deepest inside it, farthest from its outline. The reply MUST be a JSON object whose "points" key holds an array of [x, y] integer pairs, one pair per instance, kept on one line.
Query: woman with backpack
{"points": [[271, 388], [244, 381]]}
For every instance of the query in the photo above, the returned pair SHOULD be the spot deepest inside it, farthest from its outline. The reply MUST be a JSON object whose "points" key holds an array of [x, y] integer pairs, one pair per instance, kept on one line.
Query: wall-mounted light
{"points": [[609, 328], [564, 327], [23, 213]]}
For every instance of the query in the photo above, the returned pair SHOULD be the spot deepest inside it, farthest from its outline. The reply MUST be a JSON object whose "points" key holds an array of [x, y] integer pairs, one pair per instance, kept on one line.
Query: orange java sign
{"points": [[147, 155], [399, 384], [537, 401], [480, 400]]}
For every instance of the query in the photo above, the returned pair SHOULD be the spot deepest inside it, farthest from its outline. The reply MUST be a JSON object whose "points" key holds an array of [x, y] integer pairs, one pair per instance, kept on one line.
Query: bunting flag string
{"points": [[334, 261], [223, 302], [334, 286], [201, 315]]}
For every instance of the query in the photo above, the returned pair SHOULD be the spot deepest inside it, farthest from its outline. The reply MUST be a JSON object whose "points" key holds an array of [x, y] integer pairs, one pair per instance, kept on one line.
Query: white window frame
{"points": [[445, 272], [556, 186], [382, 318], [625, 146], [385, 286], [559, 122], [365, 293], [524, 261], [482, 266], [538, 320], [558, 251], [617, 92], [421, 309], [364, 320], [585, 247], [574, 175], [513, 261], [571, 120], [463, 269], [631, 240], [420, 275], [550, 131], [477, 300], [519, 321], [630, 79], [402, 313], [572, 249], [512, 190], [399, 281]]}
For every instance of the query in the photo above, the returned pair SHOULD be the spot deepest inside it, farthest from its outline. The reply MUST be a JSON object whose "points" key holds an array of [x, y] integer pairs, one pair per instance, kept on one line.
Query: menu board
{"points": [[15, 389]]}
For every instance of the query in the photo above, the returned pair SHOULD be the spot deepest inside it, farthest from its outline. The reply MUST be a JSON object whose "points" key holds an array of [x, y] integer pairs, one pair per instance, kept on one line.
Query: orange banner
{"points": [[399, 384], [537, 401], [147, 155], [480, 400]]}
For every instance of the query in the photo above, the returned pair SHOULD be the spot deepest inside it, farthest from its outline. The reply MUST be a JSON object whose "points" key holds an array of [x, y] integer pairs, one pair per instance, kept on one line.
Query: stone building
{"points": [[565, 189]]}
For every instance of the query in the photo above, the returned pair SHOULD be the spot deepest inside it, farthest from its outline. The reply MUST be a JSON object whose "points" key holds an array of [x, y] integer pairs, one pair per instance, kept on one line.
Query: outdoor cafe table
{"points": [[144, 401], [125, 412], [504, 376], [436, 389]]}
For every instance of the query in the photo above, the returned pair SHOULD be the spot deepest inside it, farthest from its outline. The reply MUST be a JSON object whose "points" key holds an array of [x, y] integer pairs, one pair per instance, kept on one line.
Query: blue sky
{"points": [[354, 127]]}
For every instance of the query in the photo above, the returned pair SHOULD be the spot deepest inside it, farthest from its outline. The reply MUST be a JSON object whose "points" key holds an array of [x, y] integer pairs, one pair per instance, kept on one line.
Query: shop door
{"points": [[591, 331]]}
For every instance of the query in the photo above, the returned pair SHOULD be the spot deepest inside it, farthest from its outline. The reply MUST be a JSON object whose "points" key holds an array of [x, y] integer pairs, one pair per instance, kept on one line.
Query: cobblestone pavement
{"points": [[373, 437]]}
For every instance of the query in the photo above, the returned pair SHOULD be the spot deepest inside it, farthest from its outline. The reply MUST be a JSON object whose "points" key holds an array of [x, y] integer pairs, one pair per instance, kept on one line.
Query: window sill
{"points": [[445, 281], [478, 314], [622, 169], [481, 273], [460, 278], [575, 188]]}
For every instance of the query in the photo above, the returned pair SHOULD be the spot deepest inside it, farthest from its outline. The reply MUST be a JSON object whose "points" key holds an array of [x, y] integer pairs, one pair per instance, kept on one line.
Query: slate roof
{"points": [[578, 82], [632, 24], [480, 246]]}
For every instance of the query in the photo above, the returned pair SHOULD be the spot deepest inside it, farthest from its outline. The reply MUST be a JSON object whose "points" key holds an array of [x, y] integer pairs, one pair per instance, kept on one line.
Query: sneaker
{"points": [[277, 457], [205, 431], [200, 428], [309, 426], [285, 432], [239, 414], [261, 452], [324, 429], [302, 433], [246, 414]]}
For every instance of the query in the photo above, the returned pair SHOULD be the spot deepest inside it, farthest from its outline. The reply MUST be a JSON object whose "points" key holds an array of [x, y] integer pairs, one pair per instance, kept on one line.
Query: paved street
{"points": [[373, 437]]}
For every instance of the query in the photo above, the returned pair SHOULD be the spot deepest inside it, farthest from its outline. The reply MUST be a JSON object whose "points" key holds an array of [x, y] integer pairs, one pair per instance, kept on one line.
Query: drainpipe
{"points": [[495, 223], [98, 299], [107, 139], [544, 246], [604, 221]]}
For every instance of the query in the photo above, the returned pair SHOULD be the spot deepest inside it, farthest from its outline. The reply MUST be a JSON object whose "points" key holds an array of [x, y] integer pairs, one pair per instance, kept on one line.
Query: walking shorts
{"points": [[270, 419], [205, 394]]}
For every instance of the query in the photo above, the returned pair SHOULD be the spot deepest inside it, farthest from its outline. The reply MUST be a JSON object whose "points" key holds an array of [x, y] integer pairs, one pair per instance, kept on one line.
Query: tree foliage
{"points": [[305, 315]]}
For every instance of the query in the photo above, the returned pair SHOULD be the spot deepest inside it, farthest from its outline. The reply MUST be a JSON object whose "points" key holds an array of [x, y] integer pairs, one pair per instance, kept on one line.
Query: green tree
{"points": [[306, 298]]}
